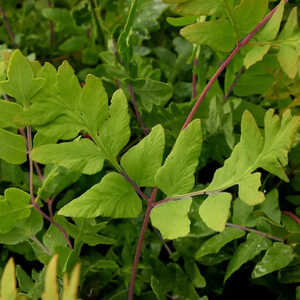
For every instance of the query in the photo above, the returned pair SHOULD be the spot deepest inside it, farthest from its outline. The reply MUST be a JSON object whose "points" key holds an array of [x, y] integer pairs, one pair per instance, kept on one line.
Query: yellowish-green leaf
{"points": [[71, 286], [256, 54], [50, 292], [215, 210], [288, 59], [171, 218], [291, 25], [8, 281], [248, 189], [142, 161], [176, 176]]}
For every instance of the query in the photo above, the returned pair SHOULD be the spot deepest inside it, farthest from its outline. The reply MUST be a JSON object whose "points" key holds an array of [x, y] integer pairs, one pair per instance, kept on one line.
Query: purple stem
{"points": [[268, 236], [227, 61], [137, 113], [236, 79], [33, 202], [140, 243], [6, 24], [194, 93]]}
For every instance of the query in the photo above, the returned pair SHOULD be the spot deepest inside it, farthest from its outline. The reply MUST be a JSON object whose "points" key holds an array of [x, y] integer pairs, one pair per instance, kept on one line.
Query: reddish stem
{"points": [[33, 202], [291, 215], [194, 92], [140, 243], [8, 29], [226, 62]]}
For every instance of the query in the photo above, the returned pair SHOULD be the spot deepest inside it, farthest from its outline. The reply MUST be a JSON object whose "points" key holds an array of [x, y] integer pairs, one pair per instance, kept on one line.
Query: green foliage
{"points": [[97, 168]]}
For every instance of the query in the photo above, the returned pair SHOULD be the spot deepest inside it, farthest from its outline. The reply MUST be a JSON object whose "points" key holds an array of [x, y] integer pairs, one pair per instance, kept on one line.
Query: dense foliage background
{"points": [[162, 56]]}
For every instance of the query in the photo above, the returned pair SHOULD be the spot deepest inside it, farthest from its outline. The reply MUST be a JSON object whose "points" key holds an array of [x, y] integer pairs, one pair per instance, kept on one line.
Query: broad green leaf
{"points": [[142, 161], [8, 112], [215, 210], [271, 206], [246, 251], [68, 86], [74, 44], [248, 189], [193, 271], [71, 286], [151, 92], [254, 150], [290, 274], [114, 134], [21, 83], [12, 147], [171, 218], [256, 54], [215, 34], [50, 292], [82, 152], [270, 30], [291, 25], [248, 14], [242, 214], [176, 176], [112, 197], [157, 288], [288, 58], [14, 206], [8, 281], [25, 282], [198, 7], [93, 103], [218, 241], [276, 258]]}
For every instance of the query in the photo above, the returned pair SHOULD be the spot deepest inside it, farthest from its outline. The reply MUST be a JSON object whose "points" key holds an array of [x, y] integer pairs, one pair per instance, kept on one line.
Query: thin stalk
{"points": [[263, 234], [51, 25], [42, 246], [96, 20], [140, 243], [6, 24], [137, 113], [226, 62], [236, 79], [33, 202]]}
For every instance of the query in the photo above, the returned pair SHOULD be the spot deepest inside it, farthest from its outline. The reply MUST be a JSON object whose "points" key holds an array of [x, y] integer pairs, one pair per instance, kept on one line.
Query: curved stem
{"points": [[140, 243], [292, 216], [226, 62]]}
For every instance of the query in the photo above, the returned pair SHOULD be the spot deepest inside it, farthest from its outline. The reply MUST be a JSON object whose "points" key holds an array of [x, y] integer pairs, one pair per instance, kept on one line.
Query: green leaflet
{"points": [[12, 147], [115, 132], [242, 214], [21, 83], [247, 251], [176, 176], [112, 197], [93, 103], [151, 92], [171, 218], [271, 206], [8, 282], [218, 241], [221, 34], [256, 54], [8, 111], [254, 151], [193, 271], [215, 210], [14, 206], [80, 152], [142, 161], [276, 257], [197, 7], [288, 59]]}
